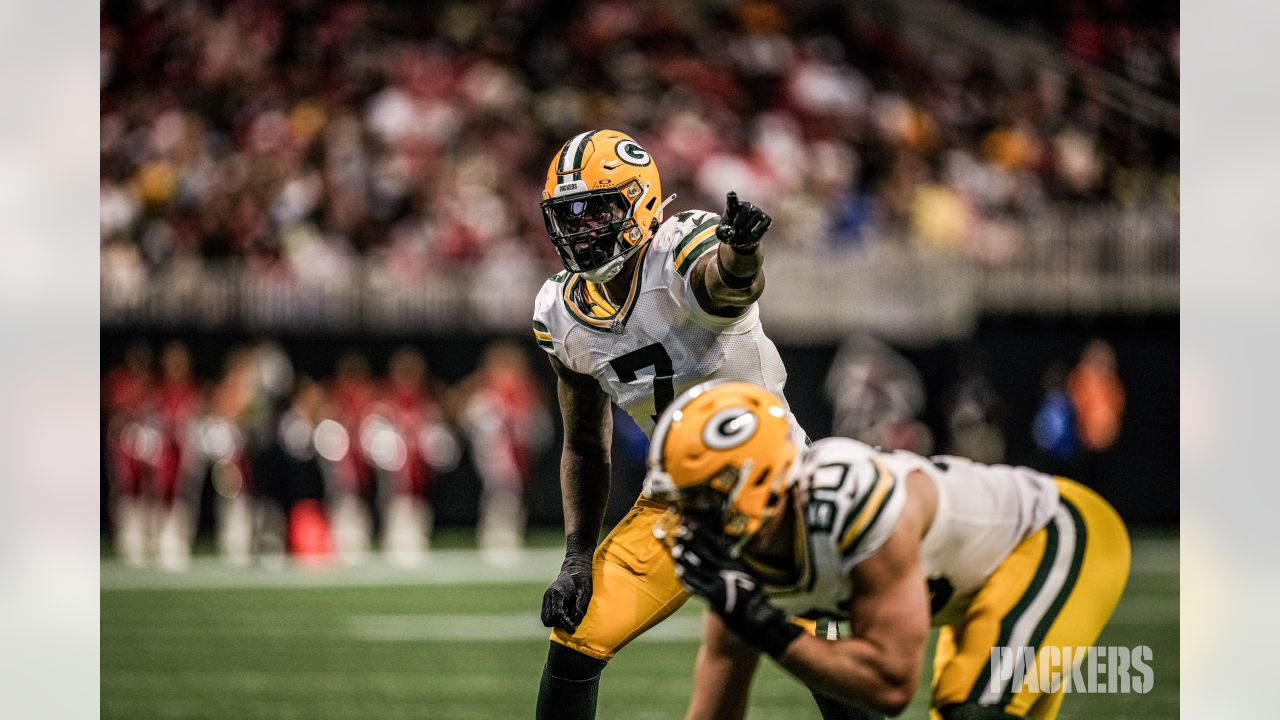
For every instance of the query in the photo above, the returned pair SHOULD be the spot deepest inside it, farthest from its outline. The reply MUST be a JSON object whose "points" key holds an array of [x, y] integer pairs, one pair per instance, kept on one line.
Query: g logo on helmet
{"points": [[631, 153], [730, 428]]}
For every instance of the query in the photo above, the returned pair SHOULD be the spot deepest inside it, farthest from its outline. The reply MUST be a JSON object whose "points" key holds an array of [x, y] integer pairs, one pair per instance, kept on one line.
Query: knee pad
{"points": [[974, 711]]}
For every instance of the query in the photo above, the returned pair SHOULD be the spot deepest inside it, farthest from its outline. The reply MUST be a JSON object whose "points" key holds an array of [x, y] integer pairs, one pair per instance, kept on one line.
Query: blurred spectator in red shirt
{"points": [[506, 422], [351, 393], [221, 453], [400, 436], [132, 449], [177, 402], [125, 387]]}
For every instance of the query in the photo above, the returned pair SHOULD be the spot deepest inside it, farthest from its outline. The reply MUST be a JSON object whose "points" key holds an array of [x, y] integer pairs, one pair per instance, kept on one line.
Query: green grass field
{"points": [[461, 639]]}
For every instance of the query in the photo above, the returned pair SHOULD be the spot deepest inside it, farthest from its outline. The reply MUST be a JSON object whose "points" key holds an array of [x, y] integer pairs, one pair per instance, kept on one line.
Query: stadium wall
{"points": [[1139, 475]]}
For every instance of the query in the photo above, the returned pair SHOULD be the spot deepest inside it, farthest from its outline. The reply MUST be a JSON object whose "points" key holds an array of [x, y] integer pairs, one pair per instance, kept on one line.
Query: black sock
{"points": [[833, 709], [570, 682]]}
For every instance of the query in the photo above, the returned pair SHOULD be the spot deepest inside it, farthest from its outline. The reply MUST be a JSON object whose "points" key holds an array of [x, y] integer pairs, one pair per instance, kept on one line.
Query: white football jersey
{"points": [[658, 342], [852, 496]]}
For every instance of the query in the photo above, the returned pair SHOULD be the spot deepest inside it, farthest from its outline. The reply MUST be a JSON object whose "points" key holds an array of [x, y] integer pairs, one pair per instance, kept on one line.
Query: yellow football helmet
{"points": [[726, 449], [601, 203]]}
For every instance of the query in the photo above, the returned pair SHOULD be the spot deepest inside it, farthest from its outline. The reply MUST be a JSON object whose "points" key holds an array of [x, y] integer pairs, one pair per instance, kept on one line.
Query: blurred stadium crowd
{"points": [[302, 137], [1137, 39]]}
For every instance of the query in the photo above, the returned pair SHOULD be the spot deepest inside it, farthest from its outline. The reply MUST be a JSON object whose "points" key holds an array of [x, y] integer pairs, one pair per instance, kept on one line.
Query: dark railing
{"points": [[1070, 260]]}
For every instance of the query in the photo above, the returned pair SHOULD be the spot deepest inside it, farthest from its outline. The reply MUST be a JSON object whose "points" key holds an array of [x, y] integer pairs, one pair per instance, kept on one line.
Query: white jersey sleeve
{"points": [[856, 496], [683, 241], [550, 327], [853, 498]]}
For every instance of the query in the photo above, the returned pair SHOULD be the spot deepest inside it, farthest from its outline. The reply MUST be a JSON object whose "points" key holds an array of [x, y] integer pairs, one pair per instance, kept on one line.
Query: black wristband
{"points": [[744, 249], [578, 545], [736, 282]]}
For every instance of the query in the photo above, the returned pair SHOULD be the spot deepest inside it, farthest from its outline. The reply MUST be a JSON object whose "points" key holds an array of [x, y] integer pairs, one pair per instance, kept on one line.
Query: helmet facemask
{"points": [[716, 503], [592, 231]]}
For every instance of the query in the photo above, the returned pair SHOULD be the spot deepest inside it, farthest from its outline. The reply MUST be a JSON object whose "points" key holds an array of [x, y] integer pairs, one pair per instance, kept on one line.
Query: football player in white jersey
{"points": [[768, 530], [647, 307]]}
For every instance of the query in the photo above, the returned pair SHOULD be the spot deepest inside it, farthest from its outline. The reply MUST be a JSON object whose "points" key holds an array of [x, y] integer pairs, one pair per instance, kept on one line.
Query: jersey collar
{"points": [[600, 314]]}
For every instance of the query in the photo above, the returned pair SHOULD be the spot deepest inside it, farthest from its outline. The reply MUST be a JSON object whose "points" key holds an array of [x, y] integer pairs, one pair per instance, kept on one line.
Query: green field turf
{"points": [[460, 639]]}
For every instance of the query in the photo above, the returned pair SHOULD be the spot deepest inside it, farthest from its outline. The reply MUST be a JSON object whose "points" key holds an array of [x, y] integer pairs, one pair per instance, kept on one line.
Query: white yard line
{"points": [[1151, 557], [441, 567], [491, 628], [683, 627]]}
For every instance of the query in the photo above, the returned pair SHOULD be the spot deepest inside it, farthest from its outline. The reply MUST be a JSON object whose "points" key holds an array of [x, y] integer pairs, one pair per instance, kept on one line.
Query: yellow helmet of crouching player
{"points": [[602, 202], [726, 449]]}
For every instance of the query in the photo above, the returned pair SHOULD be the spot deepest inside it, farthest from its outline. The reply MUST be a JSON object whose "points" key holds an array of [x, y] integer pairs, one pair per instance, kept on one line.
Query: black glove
{"points": [[742, 225], [565, 603], [706, 569]]}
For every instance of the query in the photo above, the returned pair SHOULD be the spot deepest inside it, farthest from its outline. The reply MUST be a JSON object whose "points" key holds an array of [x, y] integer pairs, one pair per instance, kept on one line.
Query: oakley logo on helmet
{"points": [[631, 153], [729, 428]]}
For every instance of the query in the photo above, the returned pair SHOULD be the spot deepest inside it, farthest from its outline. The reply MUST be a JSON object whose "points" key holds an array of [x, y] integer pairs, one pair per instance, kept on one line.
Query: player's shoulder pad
{"points": [[875, 493], [544, 305], [836, 449], [685, 236]]}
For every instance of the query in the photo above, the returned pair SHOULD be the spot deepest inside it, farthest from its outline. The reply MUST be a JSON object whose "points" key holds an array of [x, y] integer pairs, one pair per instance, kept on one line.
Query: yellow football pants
{"points": [[1056, 589], [634, 586]]}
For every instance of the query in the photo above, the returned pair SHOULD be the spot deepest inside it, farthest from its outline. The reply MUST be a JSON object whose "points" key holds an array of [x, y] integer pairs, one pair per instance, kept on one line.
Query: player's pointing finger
{"points": [[731, 206]]}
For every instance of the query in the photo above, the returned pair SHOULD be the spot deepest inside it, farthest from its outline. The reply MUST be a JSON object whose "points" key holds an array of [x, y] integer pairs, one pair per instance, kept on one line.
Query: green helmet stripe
{"points": [[570, 162]]}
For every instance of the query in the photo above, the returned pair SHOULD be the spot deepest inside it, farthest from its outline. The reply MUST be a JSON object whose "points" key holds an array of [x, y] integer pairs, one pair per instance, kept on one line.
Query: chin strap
{"points": [[609, 270]]}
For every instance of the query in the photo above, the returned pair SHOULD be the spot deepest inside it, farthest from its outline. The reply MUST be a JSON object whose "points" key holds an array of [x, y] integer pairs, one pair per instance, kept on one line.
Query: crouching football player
{"points": [[767, 530]]}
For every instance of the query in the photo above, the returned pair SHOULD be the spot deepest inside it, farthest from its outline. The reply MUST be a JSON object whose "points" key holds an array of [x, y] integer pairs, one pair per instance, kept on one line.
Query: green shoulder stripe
{"points": [[888, 497], [857, 509], [689, 236], [698, 252]]}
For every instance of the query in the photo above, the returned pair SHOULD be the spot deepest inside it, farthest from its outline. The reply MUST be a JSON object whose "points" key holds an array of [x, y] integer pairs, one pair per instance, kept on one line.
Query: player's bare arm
{"points": [[722, 675], [584, 484], [879, 666], [729, 280]]}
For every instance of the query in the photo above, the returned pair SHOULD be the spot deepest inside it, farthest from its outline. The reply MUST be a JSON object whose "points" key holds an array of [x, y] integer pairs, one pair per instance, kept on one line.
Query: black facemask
{"points": [[586, 228]]}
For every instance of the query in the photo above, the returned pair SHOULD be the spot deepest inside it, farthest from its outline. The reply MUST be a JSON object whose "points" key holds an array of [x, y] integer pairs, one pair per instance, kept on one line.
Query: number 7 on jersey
{"points": [[654, 356]]}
